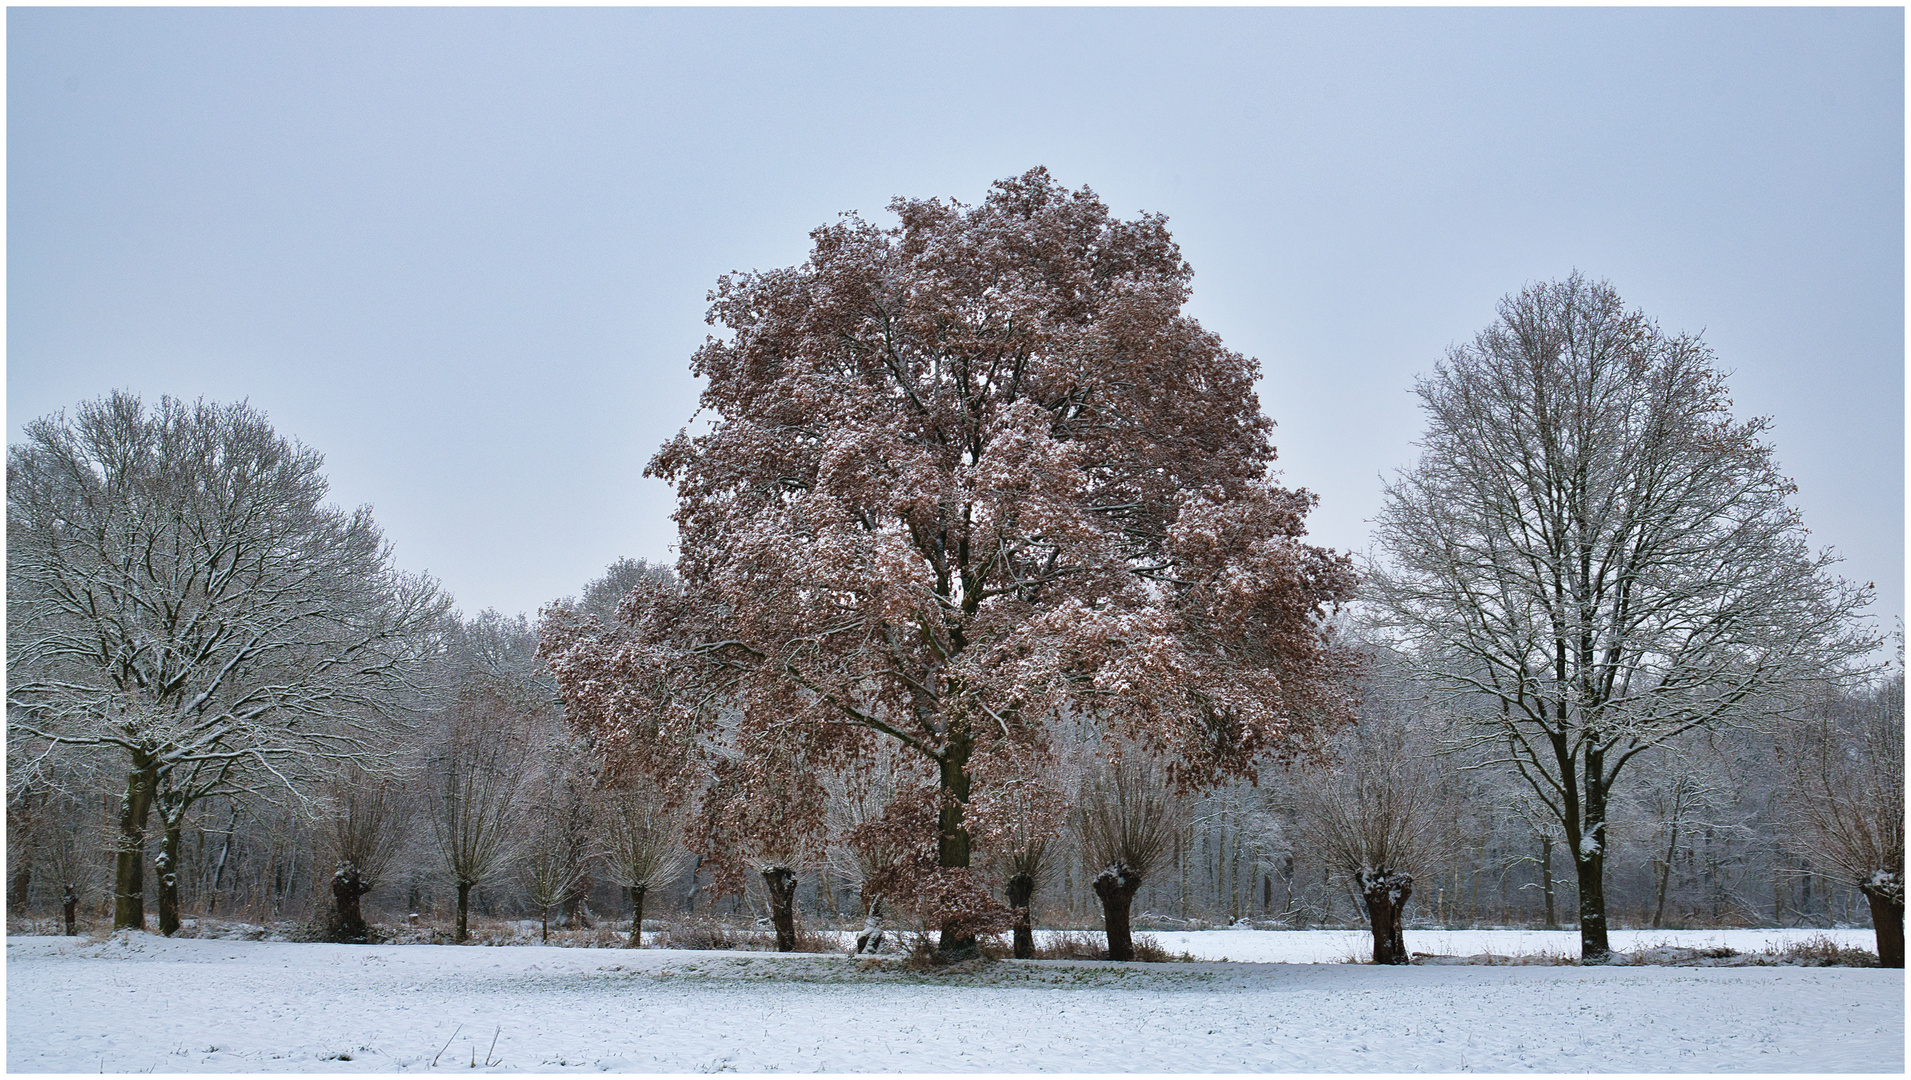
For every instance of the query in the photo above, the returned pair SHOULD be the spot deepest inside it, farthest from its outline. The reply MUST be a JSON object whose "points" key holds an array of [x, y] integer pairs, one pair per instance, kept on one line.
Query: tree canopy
{"points": [[969, 480]]}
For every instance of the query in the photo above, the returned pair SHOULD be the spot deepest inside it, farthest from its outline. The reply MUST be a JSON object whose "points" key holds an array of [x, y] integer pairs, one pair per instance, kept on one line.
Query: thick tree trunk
{"points": [[1887, 919], [871, 939], [1589, 862], [957, 941], [636, 916], [349, 920], [166, 869], [129, 856], [464, 911], [544, 926], [1021, 890], [1116, 886], [70, 907], [781, 881], [1385, 892]]}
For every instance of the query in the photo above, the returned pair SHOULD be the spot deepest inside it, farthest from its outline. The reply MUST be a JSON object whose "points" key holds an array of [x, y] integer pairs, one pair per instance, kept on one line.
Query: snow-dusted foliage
{"points": [[1594, 546], [967, 479], [181, 599]]}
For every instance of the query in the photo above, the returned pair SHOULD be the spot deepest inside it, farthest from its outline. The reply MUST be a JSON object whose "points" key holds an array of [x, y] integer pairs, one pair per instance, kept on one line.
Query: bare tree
{"points": [[1125, 820], [1847, 801], [180, 595], [1599, 551], [858, 848], [477, 771], [1691, 794], [1022, 818], [369, 821], [642, 839], [1375, 820], [553, 861]]}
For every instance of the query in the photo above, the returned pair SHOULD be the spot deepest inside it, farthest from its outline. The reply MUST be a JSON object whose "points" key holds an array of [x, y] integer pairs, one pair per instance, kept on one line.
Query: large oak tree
{"points": [[967, 479]]}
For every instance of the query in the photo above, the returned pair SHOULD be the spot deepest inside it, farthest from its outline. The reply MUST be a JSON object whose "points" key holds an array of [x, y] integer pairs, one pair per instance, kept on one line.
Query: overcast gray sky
{"points": [[464, 253]]}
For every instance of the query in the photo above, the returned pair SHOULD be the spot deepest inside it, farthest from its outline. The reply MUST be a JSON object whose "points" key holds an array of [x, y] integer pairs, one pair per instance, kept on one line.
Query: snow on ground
{"points": [[141, 1003], [1340, 946]]}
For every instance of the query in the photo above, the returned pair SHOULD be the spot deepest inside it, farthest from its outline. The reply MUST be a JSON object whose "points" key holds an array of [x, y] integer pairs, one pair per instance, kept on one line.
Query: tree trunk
{"points": [[219, 872], [464, 910], [1887, 919], [1546, 880], [576, 910], [1385, 893], [636, 917], [871, 939], [167, 873], [347, 887], [1117, 886], [1662, 876], [1021, 889], [19, 884], [1589, 863], [70, 907], [129, 855], [957, 941], [544, 926], [781, 881]]}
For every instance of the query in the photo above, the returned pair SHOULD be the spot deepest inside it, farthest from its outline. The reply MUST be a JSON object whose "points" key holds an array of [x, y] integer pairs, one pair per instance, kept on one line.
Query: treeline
{"points": [[1712, 837]]}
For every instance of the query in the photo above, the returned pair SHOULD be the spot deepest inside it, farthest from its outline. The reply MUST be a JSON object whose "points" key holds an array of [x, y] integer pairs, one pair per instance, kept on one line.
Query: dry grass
{"points": [[1822, 951], [708, 933], [1086, 945]]}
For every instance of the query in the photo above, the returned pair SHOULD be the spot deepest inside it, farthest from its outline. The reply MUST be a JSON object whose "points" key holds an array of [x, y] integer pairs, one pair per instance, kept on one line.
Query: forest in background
{"points": [[1708, 840]]}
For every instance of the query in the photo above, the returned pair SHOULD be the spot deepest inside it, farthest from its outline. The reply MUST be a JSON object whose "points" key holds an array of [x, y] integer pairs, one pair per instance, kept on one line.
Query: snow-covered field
{"points": [[139, 1003]]}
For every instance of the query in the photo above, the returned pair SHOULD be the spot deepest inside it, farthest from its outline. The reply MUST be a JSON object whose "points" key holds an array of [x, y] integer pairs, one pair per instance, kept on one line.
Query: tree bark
{"points": [[636, 916], [70, 907], [167, 874], [781, 881], [219, 872], [129, 856], [1546, 881], [1589, 863], [1116, 886], [20, 883], [871, 939], [1887, 920], [1021, 890], [1385, 893], [464, 911], [957, 941], [349, 921]]}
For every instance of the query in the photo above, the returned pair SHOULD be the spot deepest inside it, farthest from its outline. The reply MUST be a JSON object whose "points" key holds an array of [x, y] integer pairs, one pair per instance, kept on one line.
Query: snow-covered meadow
{"points": [[138, 1002]]}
